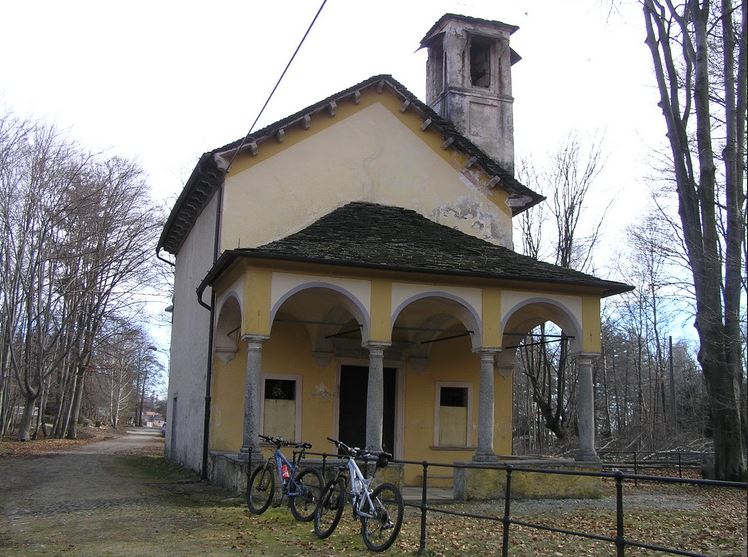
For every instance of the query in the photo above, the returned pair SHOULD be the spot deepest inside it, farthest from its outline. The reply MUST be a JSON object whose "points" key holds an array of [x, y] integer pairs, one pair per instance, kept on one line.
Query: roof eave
{"points": [[603, 287]]}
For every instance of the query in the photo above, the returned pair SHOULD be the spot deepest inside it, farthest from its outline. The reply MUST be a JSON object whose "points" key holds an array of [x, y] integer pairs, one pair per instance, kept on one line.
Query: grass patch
{"points": [[157, 468]]}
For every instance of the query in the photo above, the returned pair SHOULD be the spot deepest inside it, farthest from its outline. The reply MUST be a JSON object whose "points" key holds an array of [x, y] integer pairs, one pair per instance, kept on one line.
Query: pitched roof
{"points": [[391, 238], [209, 172], [437, 30], [470, 20]]}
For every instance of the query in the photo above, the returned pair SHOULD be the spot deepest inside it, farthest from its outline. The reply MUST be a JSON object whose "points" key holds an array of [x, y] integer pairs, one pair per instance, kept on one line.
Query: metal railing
{"points": [[642, 460], [620, 541]]}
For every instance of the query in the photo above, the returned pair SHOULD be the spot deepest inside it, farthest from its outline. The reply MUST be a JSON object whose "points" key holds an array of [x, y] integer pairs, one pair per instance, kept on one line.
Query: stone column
{"points": [[586, 409], [485, 406], [375, 397], [252, 389]]}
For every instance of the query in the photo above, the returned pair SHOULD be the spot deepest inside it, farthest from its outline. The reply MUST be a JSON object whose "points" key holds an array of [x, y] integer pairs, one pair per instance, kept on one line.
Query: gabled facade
{"points": [[348, 272]]}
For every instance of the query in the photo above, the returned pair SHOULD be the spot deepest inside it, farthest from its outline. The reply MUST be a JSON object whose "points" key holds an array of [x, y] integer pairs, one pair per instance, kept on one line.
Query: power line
{"points": [[252, 127]]}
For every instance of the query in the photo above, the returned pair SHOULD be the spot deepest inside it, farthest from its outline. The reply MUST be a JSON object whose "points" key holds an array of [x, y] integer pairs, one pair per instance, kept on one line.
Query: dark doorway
{"points": [[352, 407]]}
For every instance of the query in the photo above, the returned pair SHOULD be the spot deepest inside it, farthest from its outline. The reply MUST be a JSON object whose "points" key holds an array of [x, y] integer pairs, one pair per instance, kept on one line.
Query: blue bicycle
{"points": [[301, 486]]}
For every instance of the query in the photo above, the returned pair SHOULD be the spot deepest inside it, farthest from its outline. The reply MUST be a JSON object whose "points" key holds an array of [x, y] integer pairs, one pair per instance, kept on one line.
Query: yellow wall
{"points": [[227, 399], [370, 152], [449, 361], [288, 352]]}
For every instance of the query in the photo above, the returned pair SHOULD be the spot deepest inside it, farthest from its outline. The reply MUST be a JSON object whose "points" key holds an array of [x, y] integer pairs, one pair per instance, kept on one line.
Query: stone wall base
{"points": [[228, 470], [487, 483]]}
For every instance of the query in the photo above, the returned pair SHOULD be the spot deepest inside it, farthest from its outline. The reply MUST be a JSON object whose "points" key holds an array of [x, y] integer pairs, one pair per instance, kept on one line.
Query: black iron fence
{"points": [[637, 461], [620, 541]]}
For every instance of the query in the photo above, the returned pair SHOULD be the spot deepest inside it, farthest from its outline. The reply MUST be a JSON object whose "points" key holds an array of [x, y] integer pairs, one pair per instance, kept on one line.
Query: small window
{"points": [[453, 415], [437, 72], [280, 408], [480, 62]]}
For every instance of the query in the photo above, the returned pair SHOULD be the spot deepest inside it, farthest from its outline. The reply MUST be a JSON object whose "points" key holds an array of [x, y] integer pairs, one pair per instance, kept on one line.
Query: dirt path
{"points": [[76, 479], [89, 500]]}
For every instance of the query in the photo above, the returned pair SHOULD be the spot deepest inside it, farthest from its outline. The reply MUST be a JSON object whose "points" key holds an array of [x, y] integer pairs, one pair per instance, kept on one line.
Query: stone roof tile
{"points": [[379, 236]]}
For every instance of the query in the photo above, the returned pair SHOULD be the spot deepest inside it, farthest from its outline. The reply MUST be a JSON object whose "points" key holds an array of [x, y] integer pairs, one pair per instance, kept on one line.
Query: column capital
{"points": [[487, 352], [586, 357], [377, 348], [254, 341]]}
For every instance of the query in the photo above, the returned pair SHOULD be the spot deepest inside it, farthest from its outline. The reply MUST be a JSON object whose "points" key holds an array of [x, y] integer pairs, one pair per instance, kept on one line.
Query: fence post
{"points": [[422, 541], [505, 521], [636, 471], [680, 469], [620, 541], [249, 468]]}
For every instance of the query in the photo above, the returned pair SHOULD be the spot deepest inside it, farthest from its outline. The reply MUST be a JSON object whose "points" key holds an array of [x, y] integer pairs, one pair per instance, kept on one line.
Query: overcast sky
{"points": [[162, 81]]}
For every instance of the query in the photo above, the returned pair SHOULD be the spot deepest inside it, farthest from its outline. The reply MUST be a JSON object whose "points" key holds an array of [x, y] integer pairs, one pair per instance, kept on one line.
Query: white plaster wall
{"points": [[369, 156], [189, 342]]}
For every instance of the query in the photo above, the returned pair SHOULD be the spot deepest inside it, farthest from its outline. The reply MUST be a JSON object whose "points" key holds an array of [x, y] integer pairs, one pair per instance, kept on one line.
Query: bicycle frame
{"points": [[360, 492], [379, 509], [288, 486]]}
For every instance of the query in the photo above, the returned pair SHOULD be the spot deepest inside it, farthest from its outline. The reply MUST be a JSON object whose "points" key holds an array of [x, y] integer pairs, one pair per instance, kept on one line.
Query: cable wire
{"points": [[252, 127]]}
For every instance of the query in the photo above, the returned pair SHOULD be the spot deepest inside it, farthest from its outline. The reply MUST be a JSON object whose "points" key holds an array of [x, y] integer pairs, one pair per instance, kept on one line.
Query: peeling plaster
{"points": [[474, 218]]}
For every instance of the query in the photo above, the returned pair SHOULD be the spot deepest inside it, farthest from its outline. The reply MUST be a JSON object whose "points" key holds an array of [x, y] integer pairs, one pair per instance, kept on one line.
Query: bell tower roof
{"points": [[483, 26], [469, 81]]}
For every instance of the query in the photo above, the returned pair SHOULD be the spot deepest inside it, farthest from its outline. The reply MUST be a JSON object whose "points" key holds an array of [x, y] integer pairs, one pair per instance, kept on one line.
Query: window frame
{"points": [[437, 406], [297, 393]]}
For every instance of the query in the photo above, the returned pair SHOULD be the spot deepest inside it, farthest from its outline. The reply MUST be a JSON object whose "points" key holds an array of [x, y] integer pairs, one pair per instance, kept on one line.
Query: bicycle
{"points": [[380, 509], [301, 486]]}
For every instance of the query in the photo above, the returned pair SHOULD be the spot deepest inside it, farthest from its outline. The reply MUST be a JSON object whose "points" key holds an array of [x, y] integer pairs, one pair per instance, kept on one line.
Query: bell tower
{"points": [[469, 81]]}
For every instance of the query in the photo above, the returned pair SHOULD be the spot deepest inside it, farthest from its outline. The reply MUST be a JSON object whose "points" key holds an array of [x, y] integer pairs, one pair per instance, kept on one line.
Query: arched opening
{"points": [[228, 329], [314, 327], [228, 377], [436, 334], [540, 338]]}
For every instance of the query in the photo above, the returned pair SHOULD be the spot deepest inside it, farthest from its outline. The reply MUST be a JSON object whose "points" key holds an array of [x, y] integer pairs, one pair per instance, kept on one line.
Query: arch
{"points": [[529, 313], [229, 320], [464, 311], [224, 298], [349, 301]]}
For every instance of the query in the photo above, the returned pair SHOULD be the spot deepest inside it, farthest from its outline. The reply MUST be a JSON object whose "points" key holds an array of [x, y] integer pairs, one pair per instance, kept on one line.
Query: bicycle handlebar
{"points": [[355, 452], [280, 442]]}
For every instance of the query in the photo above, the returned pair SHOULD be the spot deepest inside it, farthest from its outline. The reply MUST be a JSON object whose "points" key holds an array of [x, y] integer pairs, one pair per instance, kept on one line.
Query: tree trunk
{"points": [[28, 413], [75, 406]]}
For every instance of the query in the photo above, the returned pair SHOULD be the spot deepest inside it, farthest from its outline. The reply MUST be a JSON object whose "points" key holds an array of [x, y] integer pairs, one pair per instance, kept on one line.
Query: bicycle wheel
{"points": [[380, 532], [329, 509], [308, 488], [261, 488]]}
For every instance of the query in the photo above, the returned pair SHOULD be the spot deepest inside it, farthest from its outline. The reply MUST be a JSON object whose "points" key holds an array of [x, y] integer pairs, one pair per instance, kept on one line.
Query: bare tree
{"points": [[567, 181], [699, 55], [77, 233], [35, 188]]}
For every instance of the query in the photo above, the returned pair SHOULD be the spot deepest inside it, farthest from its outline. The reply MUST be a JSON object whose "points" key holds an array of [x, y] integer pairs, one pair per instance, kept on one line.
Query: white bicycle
{"points": [[380, 509]]}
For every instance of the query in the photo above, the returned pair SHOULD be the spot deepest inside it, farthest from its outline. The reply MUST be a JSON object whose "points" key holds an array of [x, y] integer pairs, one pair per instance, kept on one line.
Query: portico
{"points": [[300, 323]]}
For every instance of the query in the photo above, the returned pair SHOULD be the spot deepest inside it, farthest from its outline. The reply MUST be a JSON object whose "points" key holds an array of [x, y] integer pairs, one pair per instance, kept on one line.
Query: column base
{"points": [[485, 456], [583, 455]]}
